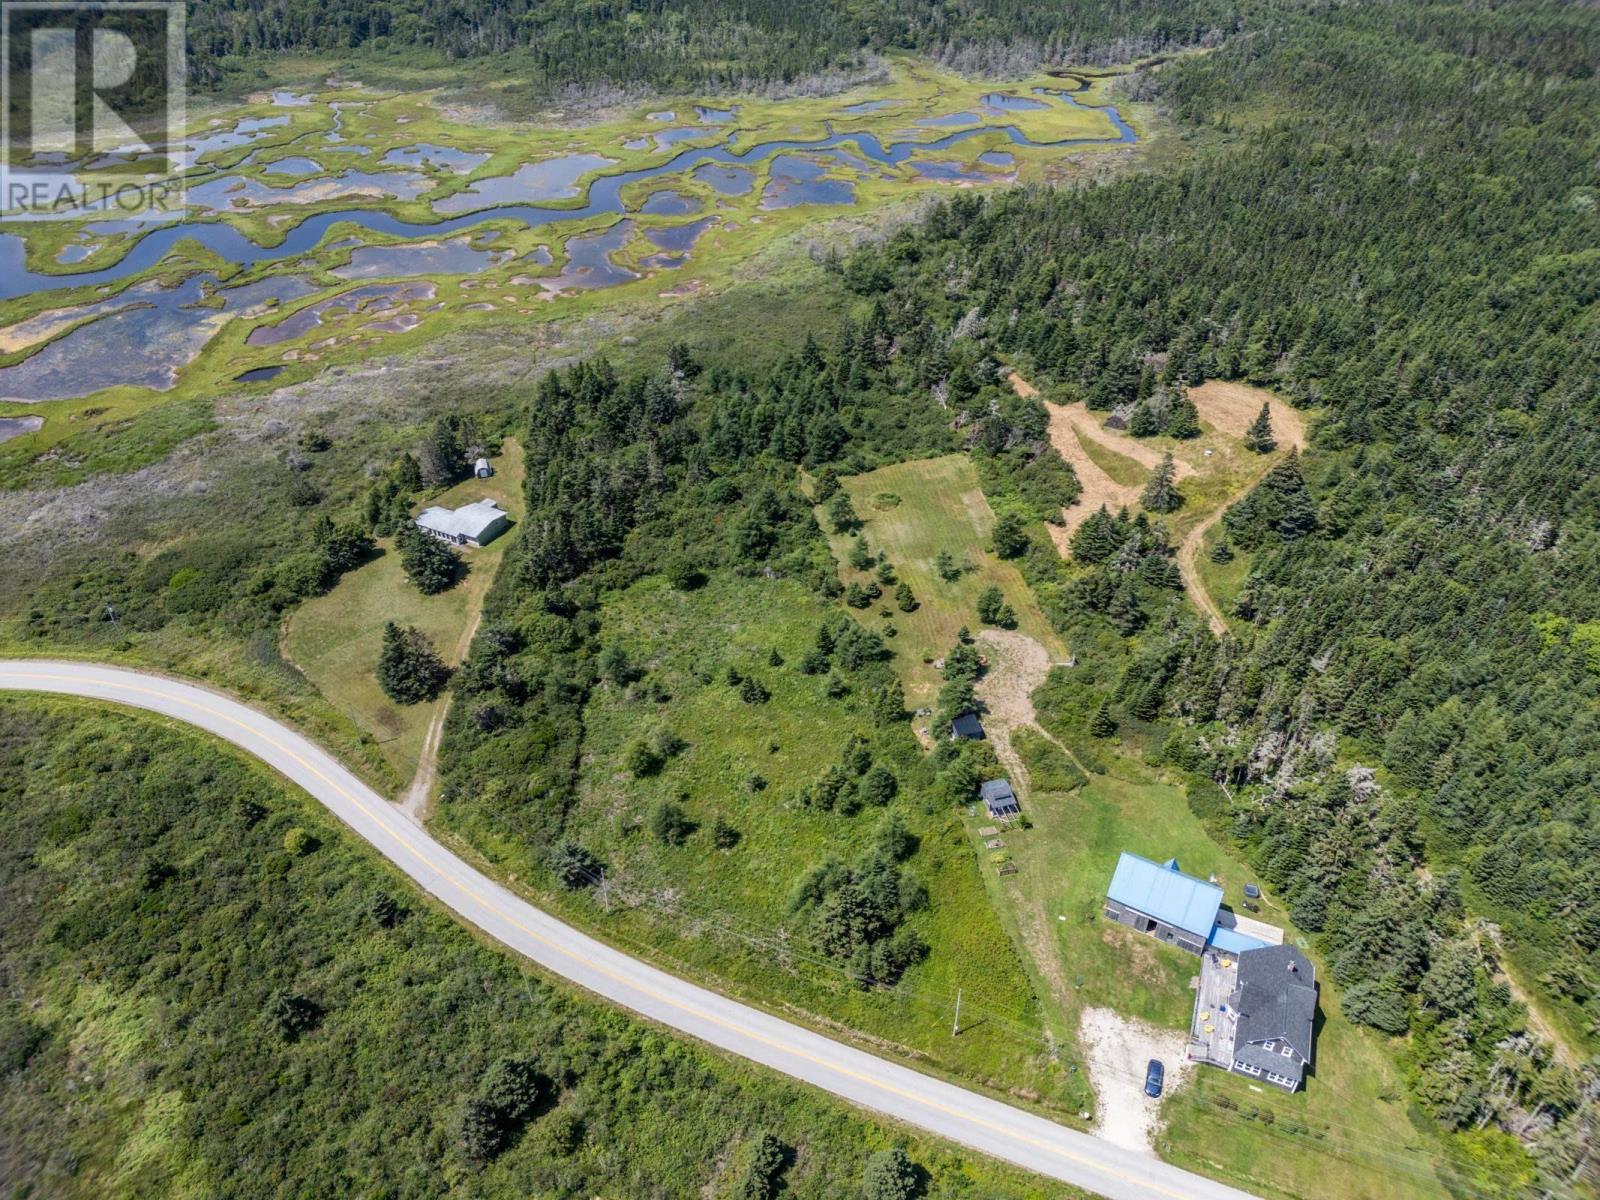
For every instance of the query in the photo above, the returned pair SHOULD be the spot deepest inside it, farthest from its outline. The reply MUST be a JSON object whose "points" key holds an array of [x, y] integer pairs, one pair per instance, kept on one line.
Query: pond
{"points": [[458, 162], [669, 203], [373, 296], [729, 181], [239, 191], [679, 238], [141, 338], [455, 257], [797, 180], [552, 179], [589, 262], [15, 427], [291, 166]]}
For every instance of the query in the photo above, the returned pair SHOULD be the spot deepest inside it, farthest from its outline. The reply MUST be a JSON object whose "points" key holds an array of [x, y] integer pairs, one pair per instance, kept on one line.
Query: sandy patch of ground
{"points": [[1231, 407], [1118, 1049], [1087, 425]]}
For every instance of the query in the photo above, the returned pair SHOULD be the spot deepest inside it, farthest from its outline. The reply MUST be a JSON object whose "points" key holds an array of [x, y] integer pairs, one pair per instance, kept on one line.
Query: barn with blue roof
{"points": [[1159, 899]]}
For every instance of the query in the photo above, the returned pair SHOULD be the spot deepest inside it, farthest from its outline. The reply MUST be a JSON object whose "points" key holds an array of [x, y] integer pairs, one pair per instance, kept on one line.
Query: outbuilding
{"points": [[999, 799], [965, 728], [482, 469]]}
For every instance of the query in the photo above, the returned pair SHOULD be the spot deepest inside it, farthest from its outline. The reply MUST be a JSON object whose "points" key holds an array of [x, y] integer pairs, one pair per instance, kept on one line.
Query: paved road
{"points": [[941, 1108]]}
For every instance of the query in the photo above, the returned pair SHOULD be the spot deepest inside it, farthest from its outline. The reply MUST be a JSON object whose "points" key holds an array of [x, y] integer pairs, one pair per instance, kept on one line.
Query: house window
{"points": [[1270, 1046], [1287, 1051]]}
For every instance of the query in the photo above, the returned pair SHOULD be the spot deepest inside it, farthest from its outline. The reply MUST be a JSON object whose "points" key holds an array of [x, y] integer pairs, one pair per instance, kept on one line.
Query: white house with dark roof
{"points": [[475, 524]]}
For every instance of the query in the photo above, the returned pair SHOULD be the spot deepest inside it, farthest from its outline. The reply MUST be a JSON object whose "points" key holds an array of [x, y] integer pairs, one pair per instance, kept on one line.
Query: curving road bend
{"points": [[975, 1121]]}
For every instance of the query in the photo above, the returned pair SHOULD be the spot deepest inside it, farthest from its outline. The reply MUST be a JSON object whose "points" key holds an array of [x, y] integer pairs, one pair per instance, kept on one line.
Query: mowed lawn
{"points": [[726, 911], [1346, 1135], [911, 512], [335, 639]]}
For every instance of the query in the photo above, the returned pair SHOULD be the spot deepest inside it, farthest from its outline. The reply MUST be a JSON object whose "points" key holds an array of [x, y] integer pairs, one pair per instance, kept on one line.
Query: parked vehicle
{"points": [[1154, 1076]]}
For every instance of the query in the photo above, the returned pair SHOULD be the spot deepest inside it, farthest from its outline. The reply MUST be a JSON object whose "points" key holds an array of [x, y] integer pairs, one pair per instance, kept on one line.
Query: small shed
{"points": [[482, 469], [965, 728], [999, 799]]}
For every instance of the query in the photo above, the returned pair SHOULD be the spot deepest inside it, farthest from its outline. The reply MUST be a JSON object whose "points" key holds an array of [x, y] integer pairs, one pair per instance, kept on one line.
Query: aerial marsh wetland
{"points": [[302, 195]]}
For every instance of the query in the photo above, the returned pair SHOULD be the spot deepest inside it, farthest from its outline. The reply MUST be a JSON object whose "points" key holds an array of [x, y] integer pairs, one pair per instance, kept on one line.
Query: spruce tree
{"points": [[1161, 493], [428, 563], [1096, 539], [409, 671], [991, 602], [1102, 724], [1259, 436], [442, 458], [1183, 420], [1221, 552], [842, 513], [1010, 536]]}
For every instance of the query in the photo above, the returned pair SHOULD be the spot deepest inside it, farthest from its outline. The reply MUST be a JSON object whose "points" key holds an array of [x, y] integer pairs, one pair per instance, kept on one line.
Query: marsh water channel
{"points": [[564, 188]]}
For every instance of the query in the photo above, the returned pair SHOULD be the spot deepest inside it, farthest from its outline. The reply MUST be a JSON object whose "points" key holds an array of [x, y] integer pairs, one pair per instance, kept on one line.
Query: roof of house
{"points": [[1231, 941], [997, 794], [472, 521], [1276, 1000], [1162, 891], [966, 725]]}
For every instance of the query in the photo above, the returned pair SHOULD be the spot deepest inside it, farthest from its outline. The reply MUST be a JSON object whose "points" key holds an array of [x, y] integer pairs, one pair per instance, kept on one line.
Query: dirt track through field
{"points": [[1227, 407], [1017, 668]]}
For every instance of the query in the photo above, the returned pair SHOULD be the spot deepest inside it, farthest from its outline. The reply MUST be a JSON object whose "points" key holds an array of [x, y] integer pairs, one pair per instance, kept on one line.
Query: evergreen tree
{"points": [[842, 514], [1143, 422], [1259, 436], [427, 562], [1221, 552], [1102, 724], [1096, 539], [1161, 494], [409, 670], [442, 458], [990, 602], [1183, 418], [890, 1175], [1010, 536], [904, 599]]}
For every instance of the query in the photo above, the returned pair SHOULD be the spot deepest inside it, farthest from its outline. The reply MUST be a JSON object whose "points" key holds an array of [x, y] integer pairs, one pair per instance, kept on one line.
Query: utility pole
{"points": [[955, 1026], [605, 890]]}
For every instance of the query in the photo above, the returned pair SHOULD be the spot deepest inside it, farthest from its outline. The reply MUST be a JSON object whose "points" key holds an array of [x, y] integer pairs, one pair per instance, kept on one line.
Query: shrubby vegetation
{"points": [[191, 1009]]}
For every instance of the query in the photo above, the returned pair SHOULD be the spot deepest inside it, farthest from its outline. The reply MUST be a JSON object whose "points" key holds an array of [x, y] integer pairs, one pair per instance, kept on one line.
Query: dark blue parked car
{"points": [[1154, 1075]]}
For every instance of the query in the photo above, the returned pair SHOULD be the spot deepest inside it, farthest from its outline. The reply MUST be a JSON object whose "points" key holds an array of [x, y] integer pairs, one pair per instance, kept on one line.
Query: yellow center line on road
{"points": [[390, 823]]}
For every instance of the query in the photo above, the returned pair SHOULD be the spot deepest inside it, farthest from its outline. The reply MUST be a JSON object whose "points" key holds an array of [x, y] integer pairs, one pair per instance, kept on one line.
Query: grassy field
{"points": [[1348, 1134], [153, 914], [724, 913], [334, 639], [911, 512]]}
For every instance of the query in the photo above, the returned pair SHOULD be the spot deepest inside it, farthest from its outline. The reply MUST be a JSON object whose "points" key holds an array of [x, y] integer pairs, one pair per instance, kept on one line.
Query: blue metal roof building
{"points": [[1161, 891]]}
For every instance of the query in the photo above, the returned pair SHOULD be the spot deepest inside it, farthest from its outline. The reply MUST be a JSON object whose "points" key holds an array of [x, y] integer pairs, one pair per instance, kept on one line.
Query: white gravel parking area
{"points": [[1118, 1049]]}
